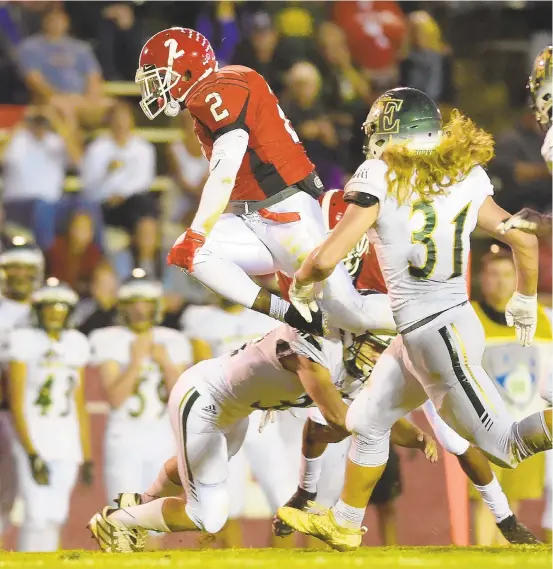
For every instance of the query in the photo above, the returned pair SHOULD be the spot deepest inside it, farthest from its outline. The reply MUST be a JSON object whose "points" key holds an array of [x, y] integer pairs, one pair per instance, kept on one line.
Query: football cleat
{"points": [[323, 526], [113, 538], [300, 501], [128, 499], [515, 532]]}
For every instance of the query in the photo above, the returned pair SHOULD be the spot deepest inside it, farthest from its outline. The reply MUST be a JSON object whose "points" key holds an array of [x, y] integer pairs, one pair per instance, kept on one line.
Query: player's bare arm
{"points": [[84, 429], [169, 370], [405, 434], [523, 306], [16, 394], [318, 385]]}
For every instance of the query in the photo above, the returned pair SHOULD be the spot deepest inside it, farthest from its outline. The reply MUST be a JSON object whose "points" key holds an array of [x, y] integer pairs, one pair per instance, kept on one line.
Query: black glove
{"points": [[87, 473], [318, 327], [39, 470]]}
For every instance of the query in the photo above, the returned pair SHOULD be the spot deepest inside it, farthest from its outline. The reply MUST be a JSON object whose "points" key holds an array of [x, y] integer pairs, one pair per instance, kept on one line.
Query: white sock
{"points": [[147, 516], [310, 472], [278, 308], [162, 487], [495, 499], [347, 516]]}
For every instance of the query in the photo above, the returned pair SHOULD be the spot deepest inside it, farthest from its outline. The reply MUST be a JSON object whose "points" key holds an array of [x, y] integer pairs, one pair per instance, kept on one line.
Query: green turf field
{"points": [[521, 557]]}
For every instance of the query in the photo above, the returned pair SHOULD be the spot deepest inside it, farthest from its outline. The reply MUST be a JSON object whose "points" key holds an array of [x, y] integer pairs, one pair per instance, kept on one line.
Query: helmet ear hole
{"points": [[187, 75]]}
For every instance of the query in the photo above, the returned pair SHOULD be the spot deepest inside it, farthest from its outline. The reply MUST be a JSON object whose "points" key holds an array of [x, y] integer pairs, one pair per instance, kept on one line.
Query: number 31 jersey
{"points": [[147, 404], [423, 246], [52, 374], [237, 97]]}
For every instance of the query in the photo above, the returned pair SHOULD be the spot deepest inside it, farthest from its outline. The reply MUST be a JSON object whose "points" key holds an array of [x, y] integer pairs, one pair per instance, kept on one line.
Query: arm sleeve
{"points": [[19, 346], [103, 347], [30, 56], [309, 347], [368, 184], [88, 62], [226, 159]]}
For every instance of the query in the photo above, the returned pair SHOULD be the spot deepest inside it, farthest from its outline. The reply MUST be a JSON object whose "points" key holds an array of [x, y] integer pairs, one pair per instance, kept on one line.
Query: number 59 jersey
{"points": [[422, 246], [147, 404], [237, 97], [53, 372]]}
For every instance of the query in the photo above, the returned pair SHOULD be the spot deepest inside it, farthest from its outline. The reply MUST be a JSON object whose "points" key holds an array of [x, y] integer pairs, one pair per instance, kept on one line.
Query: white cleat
{"points": [[113, 538]]}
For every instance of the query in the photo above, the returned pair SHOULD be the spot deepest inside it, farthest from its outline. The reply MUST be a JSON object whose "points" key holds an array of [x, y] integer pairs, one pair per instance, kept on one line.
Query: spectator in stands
{"points": [[62, 70], [428, 63], [99, 310], [303, 106], [118, 171], [524, 175], [346, 89], [120, 39], [218, 22], [35, 163], [74, 256], [375, 32], [189, 169], [263, 51]]}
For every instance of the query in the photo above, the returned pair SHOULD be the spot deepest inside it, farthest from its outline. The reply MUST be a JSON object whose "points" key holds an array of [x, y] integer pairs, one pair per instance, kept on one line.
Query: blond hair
{"points": [[463, 146]]}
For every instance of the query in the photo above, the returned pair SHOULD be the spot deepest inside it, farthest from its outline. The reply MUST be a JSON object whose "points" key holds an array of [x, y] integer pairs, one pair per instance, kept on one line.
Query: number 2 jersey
{"points": [[53, 372], [252, 376], [237, 97], [422, 246], [147, 405]]}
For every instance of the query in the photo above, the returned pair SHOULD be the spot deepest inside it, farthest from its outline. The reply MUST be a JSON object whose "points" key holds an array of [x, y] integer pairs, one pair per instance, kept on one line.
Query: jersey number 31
{"points": [[424, 237]]}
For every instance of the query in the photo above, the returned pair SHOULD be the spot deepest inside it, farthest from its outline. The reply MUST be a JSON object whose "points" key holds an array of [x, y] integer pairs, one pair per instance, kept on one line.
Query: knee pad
{"points": [[371, 451], [210, 511]]}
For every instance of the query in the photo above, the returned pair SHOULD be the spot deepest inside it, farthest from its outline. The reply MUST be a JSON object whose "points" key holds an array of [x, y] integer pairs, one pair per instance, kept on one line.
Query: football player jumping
{"points": [[258, 213]]}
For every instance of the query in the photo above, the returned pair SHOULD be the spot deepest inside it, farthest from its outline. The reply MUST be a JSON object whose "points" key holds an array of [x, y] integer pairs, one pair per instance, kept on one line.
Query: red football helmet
{"points": [[170, 63], [334, 207]]}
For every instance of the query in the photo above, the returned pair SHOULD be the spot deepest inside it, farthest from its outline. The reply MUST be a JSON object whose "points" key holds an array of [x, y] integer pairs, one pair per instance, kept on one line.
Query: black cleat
{"points": [[300, 500], [515, 532]]}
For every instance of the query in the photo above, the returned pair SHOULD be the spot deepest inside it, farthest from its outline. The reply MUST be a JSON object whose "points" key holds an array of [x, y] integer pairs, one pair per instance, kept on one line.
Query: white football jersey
{"points": [[225, 330], [148, 402], [423, 247], [53, 372], [547, 148], [251, 377]]}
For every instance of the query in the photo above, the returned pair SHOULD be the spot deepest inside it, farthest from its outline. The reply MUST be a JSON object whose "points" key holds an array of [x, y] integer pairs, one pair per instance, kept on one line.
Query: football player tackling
{"points": [[421, 192], [258, 213]]}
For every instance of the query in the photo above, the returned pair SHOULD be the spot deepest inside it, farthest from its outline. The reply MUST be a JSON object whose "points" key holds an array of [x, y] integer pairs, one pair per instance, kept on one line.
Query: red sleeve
{"points": [[371, 276], [284, 283], [222, 106]]}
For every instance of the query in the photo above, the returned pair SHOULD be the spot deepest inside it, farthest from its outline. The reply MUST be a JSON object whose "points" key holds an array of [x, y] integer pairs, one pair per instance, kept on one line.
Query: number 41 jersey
{"points": [[52, 374], [422, 246], [237, 97]]}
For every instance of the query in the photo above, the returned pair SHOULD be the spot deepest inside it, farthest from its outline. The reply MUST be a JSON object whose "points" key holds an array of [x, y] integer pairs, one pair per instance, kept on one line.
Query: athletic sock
{"points": [[146, 516], [494, 497], [278, 308], [310, 472], [347, 516]]}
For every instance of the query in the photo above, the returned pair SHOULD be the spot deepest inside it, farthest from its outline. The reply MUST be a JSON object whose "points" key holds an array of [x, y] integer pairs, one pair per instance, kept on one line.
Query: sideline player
{"points": [[21, 272], [424, 190], [46, 393], [139, 363], [363, 268], [540, 85], [258, 213], [209, 409]]}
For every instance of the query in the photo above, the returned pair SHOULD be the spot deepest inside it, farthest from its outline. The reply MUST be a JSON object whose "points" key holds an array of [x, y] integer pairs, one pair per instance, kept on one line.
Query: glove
{"points": [[39, 470], [182, 252], [522, 313], [526, 220], [303, 299], [87, 473]]}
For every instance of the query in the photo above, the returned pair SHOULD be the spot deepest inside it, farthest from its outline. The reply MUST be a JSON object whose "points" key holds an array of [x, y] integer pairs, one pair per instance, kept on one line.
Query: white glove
{"points": [[303, 298], [526, 220], [522, 313]]}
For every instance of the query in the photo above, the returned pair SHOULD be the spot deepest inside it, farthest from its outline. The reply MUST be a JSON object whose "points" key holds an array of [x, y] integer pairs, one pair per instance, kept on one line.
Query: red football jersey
{"points": [[238, 97]]}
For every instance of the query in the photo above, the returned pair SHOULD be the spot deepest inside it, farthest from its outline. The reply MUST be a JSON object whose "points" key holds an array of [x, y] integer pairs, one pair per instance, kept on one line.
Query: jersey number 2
{"points": [[217, 115], [424, 237]]}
